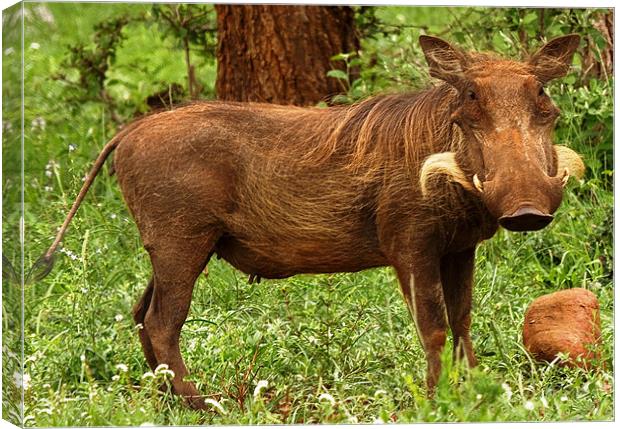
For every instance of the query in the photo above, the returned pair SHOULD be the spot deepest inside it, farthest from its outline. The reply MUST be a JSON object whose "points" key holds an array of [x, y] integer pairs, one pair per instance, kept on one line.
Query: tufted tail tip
{"points": [[8, 272], [40, 269]]}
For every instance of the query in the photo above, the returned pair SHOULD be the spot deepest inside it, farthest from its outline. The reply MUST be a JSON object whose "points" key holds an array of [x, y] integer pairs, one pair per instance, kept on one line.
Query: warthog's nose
{"points": [[525, 218]]}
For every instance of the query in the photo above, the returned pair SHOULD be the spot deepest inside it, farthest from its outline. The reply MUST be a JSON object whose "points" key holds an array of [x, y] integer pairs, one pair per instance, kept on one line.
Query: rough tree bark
{"points": [[601, 66], [281, 54]]}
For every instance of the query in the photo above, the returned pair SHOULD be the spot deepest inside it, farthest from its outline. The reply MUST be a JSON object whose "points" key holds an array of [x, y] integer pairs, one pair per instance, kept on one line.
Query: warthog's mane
{"points": [[382, 133]]}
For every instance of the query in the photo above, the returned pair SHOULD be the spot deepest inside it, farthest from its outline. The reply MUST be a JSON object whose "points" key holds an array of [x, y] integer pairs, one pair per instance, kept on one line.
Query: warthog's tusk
{"points": [[478, 183], [565, 177]]}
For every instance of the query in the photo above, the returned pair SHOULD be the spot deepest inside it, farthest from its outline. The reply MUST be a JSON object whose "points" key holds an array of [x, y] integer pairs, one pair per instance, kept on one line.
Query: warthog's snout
{"points": [[526, 218]]}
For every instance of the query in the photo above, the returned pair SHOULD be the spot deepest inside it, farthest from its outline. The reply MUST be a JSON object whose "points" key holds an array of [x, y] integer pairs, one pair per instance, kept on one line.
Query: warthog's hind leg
{"points": [[177, 263], [457, 271]]}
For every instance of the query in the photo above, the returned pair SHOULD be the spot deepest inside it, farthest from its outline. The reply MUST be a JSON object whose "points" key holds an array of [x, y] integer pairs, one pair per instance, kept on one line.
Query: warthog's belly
{"points": [[284, 259]]}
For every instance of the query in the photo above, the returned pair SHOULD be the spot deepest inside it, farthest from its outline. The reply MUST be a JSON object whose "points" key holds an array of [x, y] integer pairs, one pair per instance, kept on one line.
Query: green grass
{"points": [[332, 348]]}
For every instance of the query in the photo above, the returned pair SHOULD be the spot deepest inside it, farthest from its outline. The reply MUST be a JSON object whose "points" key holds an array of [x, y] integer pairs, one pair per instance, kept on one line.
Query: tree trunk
{"points": [[599, 62], [281, 54]]}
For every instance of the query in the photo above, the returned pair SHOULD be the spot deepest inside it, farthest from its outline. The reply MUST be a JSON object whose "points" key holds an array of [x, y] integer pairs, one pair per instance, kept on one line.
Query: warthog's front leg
{"points": [[457, 272], [420, 282]]}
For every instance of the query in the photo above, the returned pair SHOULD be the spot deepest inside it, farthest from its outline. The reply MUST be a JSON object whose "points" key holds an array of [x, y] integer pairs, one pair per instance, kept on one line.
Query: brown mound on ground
{"points": [[567, 322]]}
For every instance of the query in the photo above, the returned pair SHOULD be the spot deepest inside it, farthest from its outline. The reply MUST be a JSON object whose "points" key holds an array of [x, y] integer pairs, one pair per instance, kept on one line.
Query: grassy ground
{"points": [[332, 348]]}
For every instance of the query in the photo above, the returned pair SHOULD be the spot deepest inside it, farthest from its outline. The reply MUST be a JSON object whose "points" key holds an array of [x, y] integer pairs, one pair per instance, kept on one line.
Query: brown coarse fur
{"points": [[410, 180]]}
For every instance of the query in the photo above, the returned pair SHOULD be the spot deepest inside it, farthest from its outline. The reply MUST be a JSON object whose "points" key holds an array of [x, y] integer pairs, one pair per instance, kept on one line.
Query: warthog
{"points": [[411, 180]]}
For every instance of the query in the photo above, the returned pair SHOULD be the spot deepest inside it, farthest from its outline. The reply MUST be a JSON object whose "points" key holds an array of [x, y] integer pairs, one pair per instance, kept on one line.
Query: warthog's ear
{"points": [[554, 59], [445, 62]]}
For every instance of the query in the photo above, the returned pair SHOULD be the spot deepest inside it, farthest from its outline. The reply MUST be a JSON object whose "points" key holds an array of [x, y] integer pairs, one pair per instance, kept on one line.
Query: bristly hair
{"points": [[374, 135]]}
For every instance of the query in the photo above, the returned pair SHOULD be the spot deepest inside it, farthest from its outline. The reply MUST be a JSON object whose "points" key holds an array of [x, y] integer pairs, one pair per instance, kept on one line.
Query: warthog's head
{"points": [[507, 120]]}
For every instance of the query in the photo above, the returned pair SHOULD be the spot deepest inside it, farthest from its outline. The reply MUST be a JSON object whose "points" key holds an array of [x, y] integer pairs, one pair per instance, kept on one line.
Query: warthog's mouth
{"points": [[526, 218]]}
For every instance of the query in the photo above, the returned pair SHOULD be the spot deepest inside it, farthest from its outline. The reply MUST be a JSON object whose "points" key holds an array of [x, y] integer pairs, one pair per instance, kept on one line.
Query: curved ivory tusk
{"points": [[478, 183], [565, 177], [569, 163], [443, 163]]}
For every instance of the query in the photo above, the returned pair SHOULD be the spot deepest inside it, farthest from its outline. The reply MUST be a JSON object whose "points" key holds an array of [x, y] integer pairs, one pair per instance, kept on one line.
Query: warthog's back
{"points": [[238, 168]]}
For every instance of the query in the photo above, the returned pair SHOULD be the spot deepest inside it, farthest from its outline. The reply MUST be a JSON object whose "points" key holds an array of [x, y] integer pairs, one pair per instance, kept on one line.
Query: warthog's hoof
{"points": [[566, 322], [196, 402]]}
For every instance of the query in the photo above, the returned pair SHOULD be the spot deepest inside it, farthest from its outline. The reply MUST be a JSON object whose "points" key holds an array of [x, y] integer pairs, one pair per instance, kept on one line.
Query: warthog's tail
{"points": [[45, 263]]}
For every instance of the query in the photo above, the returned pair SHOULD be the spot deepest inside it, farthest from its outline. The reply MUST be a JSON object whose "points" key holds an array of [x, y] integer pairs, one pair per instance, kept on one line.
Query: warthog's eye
{"points": [[541, 91], [471, 95]]}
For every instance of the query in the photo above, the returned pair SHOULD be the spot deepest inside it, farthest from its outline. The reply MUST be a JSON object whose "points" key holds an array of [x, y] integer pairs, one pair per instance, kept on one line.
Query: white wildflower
{"points": [[139, 326], [167, 373], [148, 374], [9, 51], [122, 367], [69, 253], [118, 317], [164, 370], [113, 216], [564, 398], [72, 147], [216, 405], [529, 405], [38, 123], [507, 390], [327, 397], [83, 358], [479, 396], [262, 384], [116, 377], [161, 367], [21, 380], [49, 173], [380, 392], [34, 45]]}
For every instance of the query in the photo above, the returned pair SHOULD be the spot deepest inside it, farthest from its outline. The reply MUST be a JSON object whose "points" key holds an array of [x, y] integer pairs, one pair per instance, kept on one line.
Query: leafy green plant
{"points": [[188, 24], [87, 67]]}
